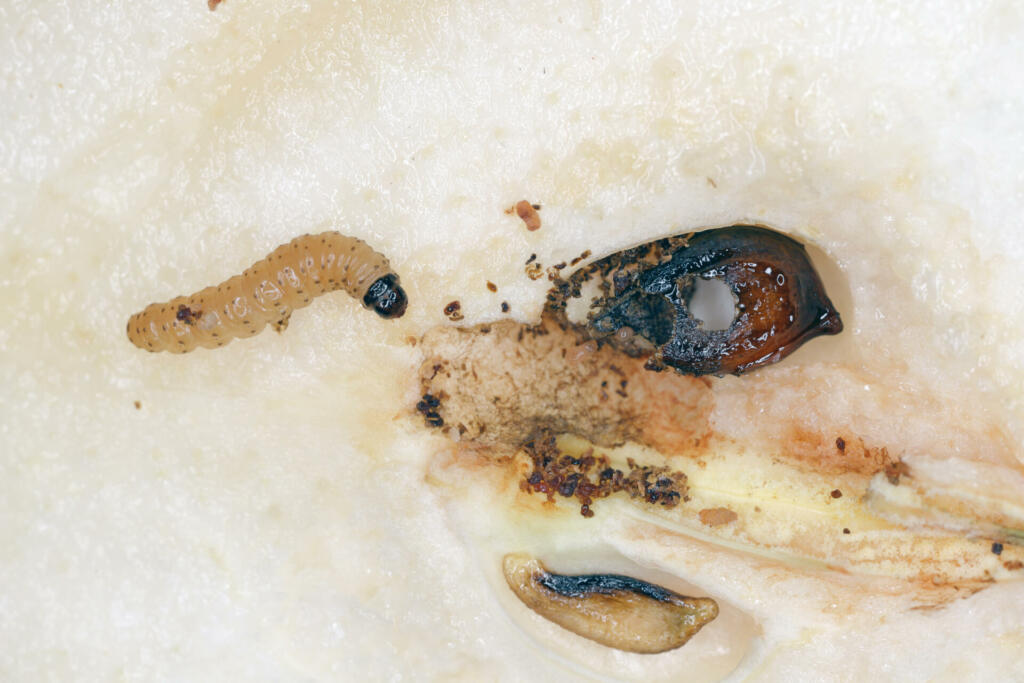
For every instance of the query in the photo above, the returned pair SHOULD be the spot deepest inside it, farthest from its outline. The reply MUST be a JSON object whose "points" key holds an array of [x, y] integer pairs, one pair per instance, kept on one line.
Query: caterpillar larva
{"points": [[268, 292]]}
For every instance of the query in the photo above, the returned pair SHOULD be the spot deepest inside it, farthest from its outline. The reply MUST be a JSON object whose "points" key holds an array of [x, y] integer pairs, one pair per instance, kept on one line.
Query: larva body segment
{"points": [[290, 277]]}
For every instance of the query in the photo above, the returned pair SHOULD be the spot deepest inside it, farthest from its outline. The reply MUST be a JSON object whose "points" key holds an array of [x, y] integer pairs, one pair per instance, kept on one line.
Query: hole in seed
{"points": [[712, 304]]}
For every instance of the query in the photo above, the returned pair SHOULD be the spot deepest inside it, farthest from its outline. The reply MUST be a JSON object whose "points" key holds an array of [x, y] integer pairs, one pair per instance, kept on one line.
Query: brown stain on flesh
{"points": [[814, 451], [503, 384]]}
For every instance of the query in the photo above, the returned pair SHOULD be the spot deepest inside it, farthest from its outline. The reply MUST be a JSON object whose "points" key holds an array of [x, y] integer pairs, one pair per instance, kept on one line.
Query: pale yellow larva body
{"points": [[267, 293]]}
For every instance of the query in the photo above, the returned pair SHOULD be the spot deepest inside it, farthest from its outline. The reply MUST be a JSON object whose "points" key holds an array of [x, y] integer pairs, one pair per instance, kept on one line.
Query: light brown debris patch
{"points": [[717, 516], [515, 382], [527, 212]]}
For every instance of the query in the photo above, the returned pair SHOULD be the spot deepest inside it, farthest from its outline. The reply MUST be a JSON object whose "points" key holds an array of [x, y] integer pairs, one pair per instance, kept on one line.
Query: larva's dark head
{"points": [[386, 297]]}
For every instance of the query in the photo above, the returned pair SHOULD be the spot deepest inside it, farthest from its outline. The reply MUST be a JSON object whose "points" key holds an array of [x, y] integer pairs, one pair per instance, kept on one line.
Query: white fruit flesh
{"points": [[269, 512]]}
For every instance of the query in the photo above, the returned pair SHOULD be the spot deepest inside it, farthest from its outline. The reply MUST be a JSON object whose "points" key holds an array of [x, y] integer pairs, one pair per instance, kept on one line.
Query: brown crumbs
{"points": [[138, 405], [453, 310], [1013, 564], [840, 444], [845, 530], [717, 516], [491, 286], [528, 213], [581, 257], [212, 4], [896, 469], [836, 493], [590, 477], [534, 271]]}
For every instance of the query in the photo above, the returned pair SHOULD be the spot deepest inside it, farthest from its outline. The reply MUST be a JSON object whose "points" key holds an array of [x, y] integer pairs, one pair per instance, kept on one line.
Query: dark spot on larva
{"points": [[533, 257], [836, 493], [841, 444], [187, 315], [491, 286], [504, 307], [997, 548], [845, 530]]}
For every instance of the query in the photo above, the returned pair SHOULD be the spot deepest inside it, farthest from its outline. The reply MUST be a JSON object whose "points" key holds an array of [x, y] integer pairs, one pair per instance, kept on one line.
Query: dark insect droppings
{"points": [[453, 310]]}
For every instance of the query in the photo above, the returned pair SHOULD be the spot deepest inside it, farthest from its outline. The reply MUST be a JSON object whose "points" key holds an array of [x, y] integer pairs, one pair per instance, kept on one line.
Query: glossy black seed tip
{"points": [[582, 585], [386, 297]]}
